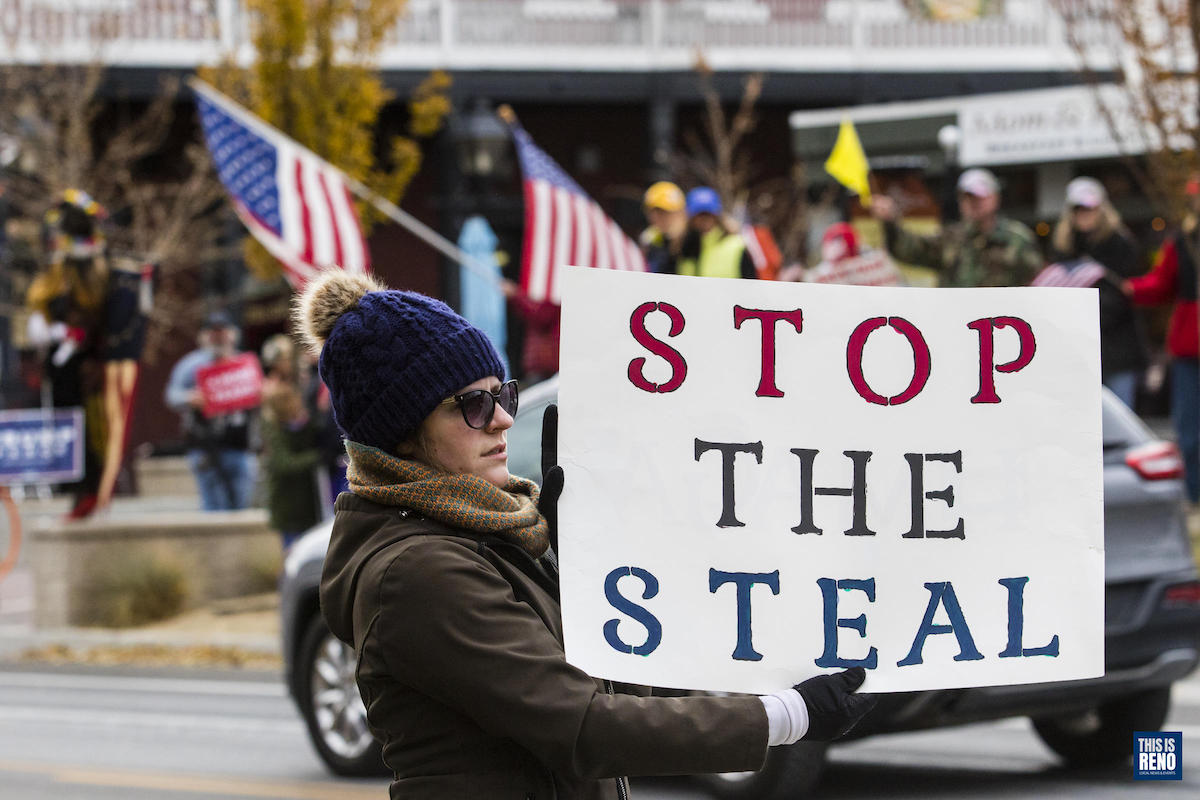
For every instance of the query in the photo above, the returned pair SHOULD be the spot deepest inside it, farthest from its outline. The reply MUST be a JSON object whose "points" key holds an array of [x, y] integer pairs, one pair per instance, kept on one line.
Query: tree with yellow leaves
{"points": [[315, 78]]}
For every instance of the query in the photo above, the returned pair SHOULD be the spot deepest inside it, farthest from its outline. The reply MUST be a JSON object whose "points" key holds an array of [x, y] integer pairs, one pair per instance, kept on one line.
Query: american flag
{"points": [[1080, 274], [563, 226], [292, 201]]}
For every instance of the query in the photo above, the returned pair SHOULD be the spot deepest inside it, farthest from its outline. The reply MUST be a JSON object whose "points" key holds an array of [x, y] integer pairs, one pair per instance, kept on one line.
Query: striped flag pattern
{"points": [[563, 226], [1079, 274], [293, 202]]}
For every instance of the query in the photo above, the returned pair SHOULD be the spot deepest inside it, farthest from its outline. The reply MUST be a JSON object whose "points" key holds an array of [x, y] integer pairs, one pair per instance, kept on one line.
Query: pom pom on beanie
{"points": [[326, 299], [388, 357]]}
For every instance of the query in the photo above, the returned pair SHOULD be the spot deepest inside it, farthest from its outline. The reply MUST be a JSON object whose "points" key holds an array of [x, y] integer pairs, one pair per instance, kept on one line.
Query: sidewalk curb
{"points": [[16, 639]]}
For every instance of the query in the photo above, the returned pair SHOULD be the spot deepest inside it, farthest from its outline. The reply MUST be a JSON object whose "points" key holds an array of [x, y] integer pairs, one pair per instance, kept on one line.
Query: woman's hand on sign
{"points": [[833, 705], [552, 473]]}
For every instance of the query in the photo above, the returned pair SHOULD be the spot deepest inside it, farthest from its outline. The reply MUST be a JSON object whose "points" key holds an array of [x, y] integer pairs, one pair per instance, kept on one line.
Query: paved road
{"points": [[131, 737], [110, 736]]}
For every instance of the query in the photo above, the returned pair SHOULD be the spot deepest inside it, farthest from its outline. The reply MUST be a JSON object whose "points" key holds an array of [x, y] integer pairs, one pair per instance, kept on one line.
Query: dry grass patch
{"points": [[134, 589], [154, 655]]}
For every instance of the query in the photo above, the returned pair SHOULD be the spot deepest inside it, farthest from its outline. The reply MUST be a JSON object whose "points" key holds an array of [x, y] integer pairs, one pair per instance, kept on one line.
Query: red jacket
{"points": [[1161, 285], [542, 321]]}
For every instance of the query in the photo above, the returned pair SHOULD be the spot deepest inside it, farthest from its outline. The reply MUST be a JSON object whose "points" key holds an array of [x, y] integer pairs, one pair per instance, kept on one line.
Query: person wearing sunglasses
{"points": [[442, 576], [1091, 230]]}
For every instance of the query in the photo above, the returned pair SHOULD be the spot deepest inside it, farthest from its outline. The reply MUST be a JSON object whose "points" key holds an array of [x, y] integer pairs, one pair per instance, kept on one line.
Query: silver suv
{"points": [[1152, 625]]}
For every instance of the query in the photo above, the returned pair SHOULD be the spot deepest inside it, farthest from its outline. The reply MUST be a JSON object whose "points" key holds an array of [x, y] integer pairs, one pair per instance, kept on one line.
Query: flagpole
{"points": [[420, 229], [385, 206]]}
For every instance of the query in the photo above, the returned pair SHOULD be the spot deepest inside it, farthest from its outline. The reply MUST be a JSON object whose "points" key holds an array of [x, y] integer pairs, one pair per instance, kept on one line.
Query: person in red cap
{"points": [[838, 243], [1090, 230], [984, 249], [1173, 280]]}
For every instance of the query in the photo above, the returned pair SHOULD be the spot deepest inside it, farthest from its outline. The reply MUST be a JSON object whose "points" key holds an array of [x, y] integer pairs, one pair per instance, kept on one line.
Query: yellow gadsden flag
{"points": [[847, 163]]}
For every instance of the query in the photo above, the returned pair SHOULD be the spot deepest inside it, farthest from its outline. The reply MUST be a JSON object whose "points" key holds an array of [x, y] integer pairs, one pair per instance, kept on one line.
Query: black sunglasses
{"points": [[478, 406]]}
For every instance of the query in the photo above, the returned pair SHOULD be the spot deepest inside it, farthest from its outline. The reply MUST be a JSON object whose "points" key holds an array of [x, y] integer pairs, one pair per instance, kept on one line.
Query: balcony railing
{"points": [[555, 35]]}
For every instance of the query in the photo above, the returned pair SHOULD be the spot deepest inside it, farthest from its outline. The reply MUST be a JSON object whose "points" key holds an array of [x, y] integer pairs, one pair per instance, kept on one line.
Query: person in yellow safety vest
{"points": [[660, 242], [710, 249]]}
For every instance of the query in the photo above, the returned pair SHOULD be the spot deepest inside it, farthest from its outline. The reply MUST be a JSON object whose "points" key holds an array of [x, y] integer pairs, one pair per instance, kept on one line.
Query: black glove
{"points": [[552, 473], [833, 707]]}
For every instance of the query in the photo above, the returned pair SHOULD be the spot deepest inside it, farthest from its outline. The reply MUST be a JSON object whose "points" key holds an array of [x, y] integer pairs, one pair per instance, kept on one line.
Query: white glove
{"points": [[39, 331], [787, 717]]}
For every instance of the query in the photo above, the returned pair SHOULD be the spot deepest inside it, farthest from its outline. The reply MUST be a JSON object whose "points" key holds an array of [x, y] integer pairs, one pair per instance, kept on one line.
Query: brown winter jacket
{"points": [[461, 668]]}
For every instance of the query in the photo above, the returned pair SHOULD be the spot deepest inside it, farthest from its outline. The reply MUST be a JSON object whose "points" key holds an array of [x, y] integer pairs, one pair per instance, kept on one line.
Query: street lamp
{"points": [[949, 138], [476, 158], [481, 142]]}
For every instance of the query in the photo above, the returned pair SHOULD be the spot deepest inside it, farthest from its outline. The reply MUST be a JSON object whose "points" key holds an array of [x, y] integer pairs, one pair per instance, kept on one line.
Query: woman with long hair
{"points": [[1091, 229]]}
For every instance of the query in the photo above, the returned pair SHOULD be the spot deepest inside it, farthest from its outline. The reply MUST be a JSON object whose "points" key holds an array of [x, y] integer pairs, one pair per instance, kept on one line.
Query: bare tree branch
{"points": [[716, 156], [1158, 92], [174, 222]]}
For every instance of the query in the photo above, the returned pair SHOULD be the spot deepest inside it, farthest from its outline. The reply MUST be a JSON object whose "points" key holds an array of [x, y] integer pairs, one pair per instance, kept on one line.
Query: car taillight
{"points": [[1182, 595], [1156, 461]]}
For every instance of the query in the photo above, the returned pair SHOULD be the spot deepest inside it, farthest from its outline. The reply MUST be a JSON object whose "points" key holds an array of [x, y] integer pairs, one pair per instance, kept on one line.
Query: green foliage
{"points": [[135, 589], [315, 78]]}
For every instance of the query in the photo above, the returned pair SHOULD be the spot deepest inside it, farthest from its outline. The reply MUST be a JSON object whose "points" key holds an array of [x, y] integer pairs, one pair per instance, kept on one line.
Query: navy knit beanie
{"points": [[389, 357]]}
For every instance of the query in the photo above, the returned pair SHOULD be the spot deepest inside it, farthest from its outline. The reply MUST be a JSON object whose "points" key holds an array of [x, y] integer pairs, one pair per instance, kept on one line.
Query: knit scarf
{"points": [[462, 501]]}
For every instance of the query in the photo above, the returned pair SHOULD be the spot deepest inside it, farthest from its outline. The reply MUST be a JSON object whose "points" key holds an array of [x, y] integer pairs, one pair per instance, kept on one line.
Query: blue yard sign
{"points": [[41, 446]]}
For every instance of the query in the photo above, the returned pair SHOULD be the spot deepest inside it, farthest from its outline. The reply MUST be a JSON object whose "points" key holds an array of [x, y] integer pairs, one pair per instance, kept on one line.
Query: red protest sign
{"points": [[234, 384], [872, 268]]}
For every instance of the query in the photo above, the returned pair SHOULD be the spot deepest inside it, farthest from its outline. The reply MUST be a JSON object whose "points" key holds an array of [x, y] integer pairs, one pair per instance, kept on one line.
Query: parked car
{"points": [[1152, 626]]}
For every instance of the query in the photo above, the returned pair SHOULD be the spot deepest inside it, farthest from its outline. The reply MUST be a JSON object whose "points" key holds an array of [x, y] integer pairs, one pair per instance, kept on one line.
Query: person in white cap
{"points": [[1090, 228], [984, 249]]}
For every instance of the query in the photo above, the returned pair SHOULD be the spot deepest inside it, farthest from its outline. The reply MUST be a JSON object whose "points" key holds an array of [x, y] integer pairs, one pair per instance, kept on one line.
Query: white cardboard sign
{"points": [[765, 481]]}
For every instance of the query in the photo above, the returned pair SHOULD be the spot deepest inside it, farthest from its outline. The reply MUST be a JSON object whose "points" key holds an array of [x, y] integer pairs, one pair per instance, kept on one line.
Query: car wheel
{"points": [[790, 773], [1103, 736], [332, 707]]}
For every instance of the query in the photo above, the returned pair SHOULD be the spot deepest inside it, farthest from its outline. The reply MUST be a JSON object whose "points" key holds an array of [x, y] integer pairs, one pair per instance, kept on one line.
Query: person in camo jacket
{"points": [[984, 249]]}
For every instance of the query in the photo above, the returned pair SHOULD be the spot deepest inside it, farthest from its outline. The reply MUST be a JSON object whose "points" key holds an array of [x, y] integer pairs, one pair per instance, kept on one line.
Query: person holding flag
{"points": [[1091, 247], [984, 249]]}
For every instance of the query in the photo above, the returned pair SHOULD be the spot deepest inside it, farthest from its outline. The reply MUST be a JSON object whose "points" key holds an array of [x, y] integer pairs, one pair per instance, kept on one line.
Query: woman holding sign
{"points": [[441, 574]]}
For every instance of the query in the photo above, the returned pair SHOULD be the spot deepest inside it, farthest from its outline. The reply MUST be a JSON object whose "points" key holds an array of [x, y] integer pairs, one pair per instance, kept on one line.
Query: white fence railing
{"points": [[554, 35]]}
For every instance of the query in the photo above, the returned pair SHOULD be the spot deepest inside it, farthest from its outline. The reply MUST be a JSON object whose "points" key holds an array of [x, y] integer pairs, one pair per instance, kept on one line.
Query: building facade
{"points": [[609, 88]]}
